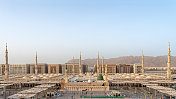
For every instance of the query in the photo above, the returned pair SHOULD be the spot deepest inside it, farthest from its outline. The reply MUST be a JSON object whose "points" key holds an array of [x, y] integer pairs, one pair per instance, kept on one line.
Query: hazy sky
{"points": [[60, 29]]}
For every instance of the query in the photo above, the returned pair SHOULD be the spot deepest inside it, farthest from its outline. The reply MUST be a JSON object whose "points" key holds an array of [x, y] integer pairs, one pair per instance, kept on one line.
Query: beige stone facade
{"points": [[16, 68], [2, 68], [118, 68], [159, 70], [54, 68], [19, 69], [76, 68], [93, 86], [137, 68], [42, 68], [124, 68], [111, 68]]}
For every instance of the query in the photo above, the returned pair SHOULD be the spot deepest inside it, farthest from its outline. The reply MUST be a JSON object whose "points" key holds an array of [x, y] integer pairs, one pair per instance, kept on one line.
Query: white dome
{"points": [[95, 74], [26, 77], [90, 80], [35, 77], [138, 77], [127, 77], [89, 74], [45, 77], [148, 77], [123, 75], [132, 75]]}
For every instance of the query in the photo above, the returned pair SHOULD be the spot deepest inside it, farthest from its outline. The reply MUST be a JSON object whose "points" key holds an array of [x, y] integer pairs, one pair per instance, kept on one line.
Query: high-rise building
{"points": [[2, 69], [137, 68], [76, 68], [124, 68], [54, 68], [16, 69], [41, 68], [119, 68], [19, 68]]}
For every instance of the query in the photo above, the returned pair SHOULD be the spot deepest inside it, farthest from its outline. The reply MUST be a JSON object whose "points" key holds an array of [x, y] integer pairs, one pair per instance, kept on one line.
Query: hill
{"points": [[149, 61]]}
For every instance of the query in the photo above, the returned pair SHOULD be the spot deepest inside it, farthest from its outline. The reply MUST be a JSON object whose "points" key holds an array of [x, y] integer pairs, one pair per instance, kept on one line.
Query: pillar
{"points": [[4, 92]]}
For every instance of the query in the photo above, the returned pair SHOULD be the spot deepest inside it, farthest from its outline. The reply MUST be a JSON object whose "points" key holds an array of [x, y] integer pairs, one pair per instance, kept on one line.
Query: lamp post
{"points": [[4, 92], [105, 91], [74, 95], [91, 93], [77, 90]]}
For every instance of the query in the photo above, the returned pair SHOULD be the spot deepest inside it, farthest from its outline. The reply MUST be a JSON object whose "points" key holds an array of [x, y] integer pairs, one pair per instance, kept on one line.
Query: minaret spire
{"points": [[6, 55], [142, 63], [80, 65], [98, 71], [6, 64], [102, 66], [169, 64], [36, 66], [73, 67]]}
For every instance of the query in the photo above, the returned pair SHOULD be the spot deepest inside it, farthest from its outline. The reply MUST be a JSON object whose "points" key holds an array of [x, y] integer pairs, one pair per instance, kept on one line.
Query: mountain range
{"points": [[149, 61]]}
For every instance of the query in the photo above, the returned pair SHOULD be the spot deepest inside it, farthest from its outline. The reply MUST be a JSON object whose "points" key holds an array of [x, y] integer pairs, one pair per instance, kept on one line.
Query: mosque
{"points": [[74, 77]]}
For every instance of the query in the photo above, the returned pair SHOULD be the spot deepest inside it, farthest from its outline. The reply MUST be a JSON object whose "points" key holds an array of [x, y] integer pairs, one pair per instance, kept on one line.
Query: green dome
{"points": [[100, 77]]}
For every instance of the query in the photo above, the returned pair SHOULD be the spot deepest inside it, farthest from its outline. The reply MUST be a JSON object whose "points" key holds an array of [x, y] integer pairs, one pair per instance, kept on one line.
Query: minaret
{"points": [[6, 64], [142, 63], [98, 71], [102, 66], [36, 66], [106, 73], [169, 64], [66, 76], [134, 68], [80, 67], [106, 77], [73, 72]]}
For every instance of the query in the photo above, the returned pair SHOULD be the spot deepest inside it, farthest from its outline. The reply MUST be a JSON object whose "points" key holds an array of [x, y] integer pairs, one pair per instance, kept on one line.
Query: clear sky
{"points": [[60, 29]]}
